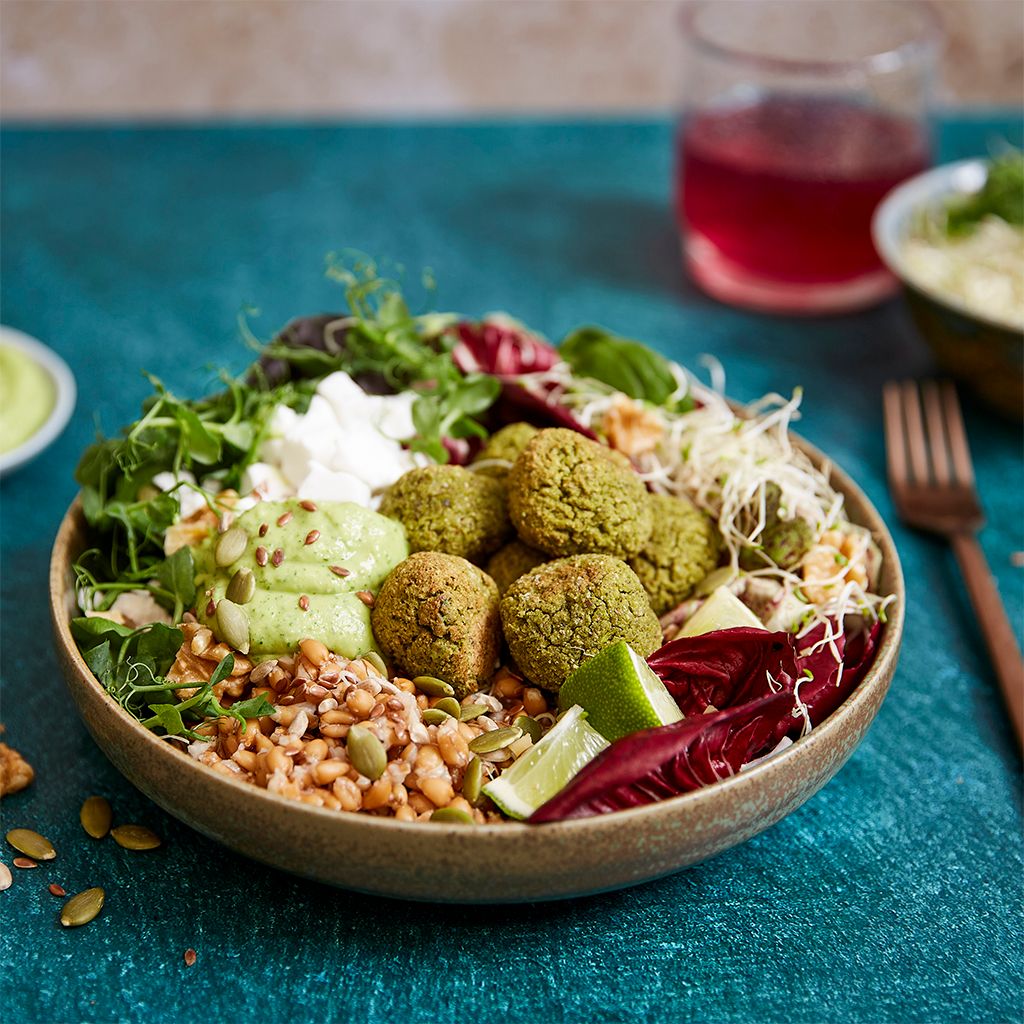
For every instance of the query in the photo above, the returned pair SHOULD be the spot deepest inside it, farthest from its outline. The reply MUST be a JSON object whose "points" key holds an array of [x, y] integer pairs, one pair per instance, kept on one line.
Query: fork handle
{"points": [[999, 634]]}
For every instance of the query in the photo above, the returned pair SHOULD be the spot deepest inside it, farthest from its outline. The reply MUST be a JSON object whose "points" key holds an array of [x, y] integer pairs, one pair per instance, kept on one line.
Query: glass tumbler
{"points": [[798, 117]]}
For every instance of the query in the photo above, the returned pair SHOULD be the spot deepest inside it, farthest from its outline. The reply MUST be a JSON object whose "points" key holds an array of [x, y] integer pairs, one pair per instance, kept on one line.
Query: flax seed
{"points": [[277, 557], [366, 597], [190, 957], [312, 537], [56, 890], [304, 603], [285, 518], [340, 570], [263, 529], [308, 505]]}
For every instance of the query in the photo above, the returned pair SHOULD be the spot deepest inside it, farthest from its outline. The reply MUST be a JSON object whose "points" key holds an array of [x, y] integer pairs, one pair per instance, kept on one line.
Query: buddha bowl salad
{"points": [[434, 569]]}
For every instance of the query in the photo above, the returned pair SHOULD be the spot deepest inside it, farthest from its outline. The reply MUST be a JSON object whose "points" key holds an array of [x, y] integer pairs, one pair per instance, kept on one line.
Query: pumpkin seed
{"points": [[452, 816], [377, 662], [434, 716], [135, 837], [530, 726], [471, 711], [450, 706], [81, 909], [366, 753], [233, 624], [242, 587], [488, 742], [472, 780], [5, 877], [32, 844], [231, 546], [433, 687], [95, 816]]}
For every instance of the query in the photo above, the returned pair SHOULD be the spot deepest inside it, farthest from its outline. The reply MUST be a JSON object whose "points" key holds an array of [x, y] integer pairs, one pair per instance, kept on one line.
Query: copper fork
{"points": [[932, 483]]}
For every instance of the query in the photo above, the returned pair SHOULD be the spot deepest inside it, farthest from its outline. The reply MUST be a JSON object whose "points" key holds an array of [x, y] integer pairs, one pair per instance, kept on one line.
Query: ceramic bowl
{"points": [[506, 863], [63, 405], [986, 354]]}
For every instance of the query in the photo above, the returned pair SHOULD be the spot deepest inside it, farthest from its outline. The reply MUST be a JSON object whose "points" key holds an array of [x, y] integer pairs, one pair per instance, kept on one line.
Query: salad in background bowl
{"points": [[955, 237], [424, 572]]}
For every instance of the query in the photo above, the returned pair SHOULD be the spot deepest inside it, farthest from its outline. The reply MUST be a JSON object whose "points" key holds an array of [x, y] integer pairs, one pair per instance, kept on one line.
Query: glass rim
{"points": [[927, 41]]}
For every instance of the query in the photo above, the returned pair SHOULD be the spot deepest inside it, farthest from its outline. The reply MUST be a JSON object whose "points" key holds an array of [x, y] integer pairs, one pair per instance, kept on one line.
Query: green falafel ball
{"points": [[449, 509], [566, 611], [568, 495], [515, 559], [681, 550], [783, 541], [503, 446], [437, 615]]}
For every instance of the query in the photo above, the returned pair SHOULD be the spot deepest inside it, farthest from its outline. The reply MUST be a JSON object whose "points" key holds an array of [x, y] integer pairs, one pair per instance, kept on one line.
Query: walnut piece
{"points": [[631, 429], [15, 772]]}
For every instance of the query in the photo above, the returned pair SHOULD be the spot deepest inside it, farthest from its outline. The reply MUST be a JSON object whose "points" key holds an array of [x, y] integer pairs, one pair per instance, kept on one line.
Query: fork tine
{"points": [[895, 442], [963, 470], [936, 431], [916, 442]]}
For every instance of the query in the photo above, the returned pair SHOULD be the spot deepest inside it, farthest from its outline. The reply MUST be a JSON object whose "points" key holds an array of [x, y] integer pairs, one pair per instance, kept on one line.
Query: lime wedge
{"points": [[547, 766], [722, 610], [620, 693]]}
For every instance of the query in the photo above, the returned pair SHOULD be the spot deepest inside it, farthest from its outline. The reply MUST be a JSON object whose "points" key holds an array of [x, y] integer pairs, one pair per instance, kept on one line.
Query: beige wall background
{"points": [[182, 58]]}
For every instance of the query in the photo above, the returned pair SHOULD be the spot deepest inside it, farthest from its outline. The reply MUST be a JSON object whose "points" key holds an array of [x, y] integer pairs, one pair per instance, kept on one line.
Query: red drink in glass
{"points": [[785, 188], [798, 117]]}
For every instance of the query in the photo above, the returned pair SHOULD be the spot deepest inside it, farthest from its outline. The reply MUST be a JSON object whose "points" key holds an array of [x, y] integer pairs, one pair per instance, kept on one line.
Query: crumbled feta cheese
{"points": [[190, 500]]}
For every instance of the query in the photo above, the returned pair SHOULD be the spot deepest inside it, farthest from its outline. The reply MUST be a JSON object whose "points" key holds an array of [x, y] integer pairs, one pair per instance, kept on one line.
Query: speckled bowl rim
{"points": [[744, 784]]}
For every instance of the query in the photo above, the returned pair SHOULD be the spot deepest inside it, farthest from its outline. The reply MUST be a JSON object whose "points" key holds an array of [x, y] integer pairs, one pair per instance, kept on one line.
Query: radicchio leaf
{"points": [[655, 764], [518, 405], [502, 348], [724, 668]]}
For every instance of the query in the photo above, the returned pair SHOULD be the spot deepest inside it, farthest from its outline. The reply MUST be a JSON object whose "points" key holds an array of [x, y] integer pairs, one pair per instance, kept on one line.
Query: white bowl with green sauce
{"points": [[37, 397]]}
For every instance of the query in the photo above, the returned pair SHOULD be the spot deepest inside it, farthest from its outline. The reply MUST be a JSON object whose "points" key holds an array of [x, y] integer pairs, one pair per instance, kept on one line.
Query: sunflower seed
{"points": [[366, 753], [5, 877], [452, 816], [433, 687], [231, 546], [81, 909], [488, 742], [32, 844], [135, 837], [472, 780], [529, 725], [242, 587], [471, 711], [233, 624], [95, 816], [433, 716]]}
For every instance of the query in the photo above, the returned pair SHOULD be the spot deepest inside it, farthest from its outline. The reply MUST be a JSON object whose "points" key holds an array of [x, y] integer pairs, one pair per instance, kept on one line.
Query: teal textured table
{"points": [[894, 895]]}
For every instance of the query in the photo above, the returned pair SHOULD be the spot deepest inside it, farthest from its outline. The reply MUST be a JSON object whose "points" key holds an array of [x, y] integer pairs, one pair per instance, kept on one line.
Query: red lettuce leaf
{"points": [[724, 668], [503, 349], [516, 404], [655, 764]]}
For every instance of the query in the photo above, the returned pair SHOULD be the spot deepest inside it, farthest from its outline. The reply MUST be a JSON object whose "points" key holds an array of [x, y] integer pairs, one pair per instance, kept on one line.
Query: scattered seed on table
{"points": [[190, 957], [96, 816], [6, 878], [56, 890], [308, 505], [312, 537], [81, 909], [261, 556], [24, 862], [340, 570], [135, 837], [284, 518], [32, 844], [366, 597]]}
